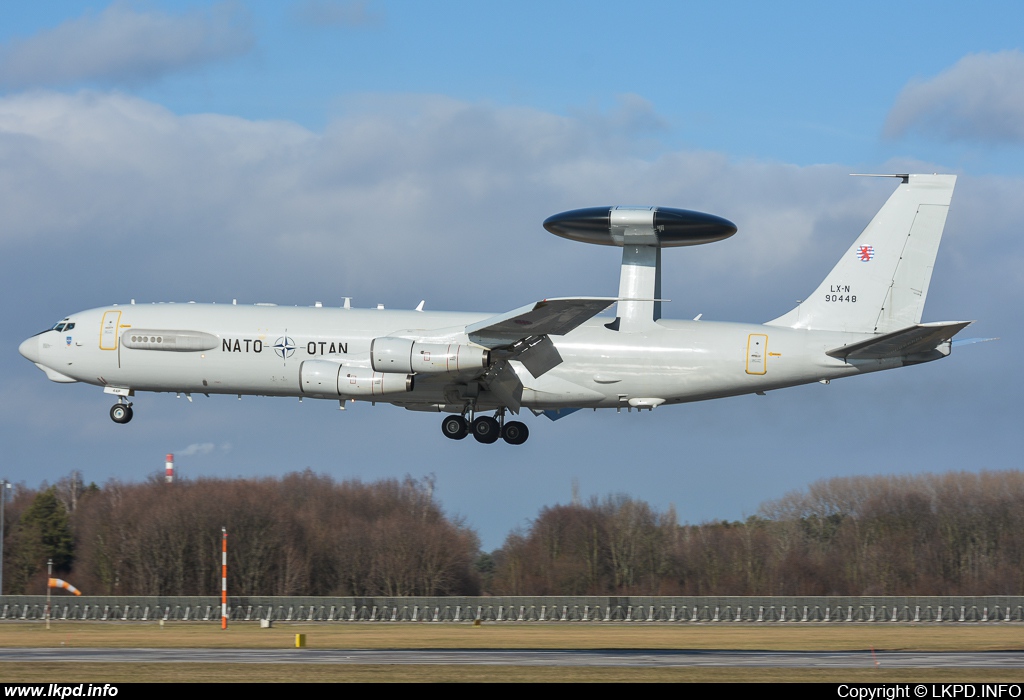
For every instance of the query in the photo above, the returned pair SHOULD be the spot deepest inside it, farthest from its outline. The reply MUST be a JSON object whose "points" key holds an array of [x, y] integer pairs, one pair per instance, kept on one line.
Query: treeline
{"points": [[949, 534], [306, 534], [302, 534]]}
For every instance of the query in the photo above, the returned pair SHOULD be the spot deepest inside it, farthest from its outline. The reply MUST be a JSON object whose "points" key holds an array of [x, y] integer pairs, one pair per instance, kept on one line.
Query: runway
{"points": [[527, 657]]}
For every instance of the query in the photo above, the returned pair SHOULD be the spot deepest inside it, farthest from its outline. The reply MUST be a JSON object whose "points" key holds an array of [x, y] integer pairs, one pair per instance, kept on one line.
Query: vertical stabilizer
{"points": [[881, 283]]}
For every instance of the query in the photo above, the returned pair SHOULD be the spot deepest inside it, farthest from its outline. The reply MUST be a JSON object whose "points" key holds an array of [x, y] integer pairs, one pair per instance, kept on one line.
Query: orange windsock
{"points": [[60, 583]]}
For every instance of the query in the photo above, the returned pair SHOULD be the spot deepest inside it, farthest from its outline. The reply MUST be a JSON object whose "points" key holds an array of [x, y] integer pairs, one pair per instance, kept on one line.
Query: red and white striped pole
{"points": [[224, 579]]}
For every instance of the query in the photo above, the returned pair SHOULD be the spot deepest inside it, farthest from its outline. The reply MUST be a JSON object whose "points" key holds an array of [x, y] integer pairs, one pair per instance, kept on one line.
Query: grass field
{"points": [[792, 637], [506, 635]]}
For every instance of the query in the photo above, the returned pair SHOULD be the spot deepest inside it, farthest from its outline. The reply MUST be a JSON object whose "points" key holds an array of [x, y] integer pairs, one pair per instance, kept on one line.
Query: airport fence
{"points": [[550, 609]]}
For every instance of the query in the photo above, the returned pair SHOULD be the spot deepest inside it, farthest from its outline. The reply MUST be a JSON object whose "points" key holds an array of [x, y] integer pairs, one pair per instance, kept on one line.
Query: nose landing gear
{"points": [[121, 412]]}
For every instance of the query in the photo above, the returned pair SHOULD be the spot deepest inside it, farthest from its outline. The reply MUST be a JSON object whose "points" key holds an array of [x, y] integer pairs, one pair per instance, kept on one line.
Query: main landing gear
{"points": [[121, 412], [485, 428]]}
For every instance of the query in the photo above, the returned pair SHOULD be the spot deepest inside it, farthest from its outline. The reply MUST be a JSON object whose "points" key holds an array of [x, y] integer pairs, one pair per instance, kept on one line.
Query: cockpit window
{"points": [[62, 325]]}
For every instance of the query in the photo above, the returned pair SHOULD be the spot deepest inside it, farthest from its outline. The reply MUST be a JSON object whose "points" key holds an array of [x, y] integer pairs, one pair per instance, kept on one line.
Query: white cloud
{"points": [[125, 47], [196, 448], [980, 98], [632, 115], [398, 199], [411, 184], [202, 448]]}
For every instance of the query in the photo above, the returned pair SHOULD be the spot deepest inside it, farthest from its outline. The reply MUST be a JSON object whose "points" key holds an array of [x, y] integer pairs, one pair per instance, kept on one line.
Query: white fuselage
{"points": [[259, 350]]}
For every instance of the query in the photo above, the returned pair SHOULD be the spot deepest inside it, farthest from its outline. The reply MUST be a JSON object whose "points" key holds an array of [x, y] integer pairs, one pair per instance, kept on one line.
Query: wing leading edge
{"points": [[547, 317]]}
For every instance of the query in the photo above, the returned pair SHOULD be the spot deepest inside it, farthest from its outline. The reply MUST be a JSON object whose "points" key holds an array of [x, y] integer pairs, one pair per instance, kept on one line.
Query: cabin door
{"points": [[757, 353]]}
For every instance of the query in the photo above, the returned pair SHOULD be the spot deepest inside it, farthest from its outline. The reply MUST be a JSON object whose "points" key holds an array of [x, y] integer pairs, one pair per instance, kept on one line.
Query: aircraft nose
{"points": [[29, 349]]}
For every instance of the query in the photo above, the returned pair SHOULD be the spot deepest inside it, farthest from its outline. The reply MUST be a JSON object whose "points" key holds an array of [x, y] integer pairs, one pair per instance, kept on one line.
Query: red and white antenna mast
{"points": [[224, 579], [169, 469]]}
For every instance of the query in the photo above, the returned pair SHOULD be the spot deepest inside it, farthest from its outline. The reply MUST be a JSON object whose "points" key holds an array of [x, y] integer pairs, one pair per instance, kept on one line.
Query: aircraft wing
{"points": [[923, 337], [547, 317], [523, 335]]}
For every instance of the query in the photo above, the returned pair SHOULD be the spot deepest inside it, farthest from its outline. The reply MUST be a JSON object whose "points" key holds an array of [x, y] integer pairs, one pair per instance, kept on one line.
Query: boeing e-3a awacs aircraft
{"points": [[552, 356]]}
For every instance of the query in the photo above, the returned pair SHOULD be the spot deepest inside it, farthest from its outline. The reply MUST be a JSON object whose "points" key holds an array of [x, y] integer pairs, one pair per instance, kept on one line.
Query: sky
{"points": [[296, 152]]}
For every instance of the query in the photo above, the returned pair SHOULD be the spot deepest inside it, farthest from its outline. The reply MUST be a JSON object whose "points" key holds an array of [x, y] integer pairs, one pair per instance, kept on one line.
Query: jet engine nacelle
{"points": [[404, 355], [325, 378]]}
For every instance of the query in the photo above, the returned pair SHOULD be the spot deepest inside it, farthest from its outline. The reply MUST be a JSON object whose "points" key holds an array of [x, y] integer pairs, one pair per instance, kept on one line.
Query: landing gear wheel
{"points": [[486, 430], [454, 427], [515, 433], [121, 412]]}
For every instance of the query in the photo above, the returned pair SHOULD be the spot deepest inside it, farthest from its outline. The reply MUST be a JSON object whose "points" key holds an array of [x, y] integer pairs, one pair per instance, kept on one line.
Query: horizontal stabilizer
{"points": [[912, 340], [548, 317]]}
